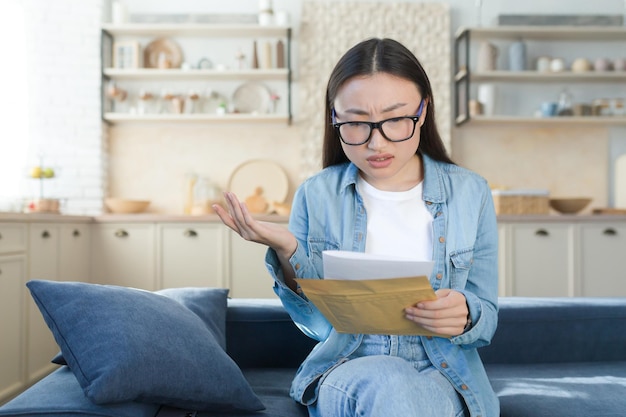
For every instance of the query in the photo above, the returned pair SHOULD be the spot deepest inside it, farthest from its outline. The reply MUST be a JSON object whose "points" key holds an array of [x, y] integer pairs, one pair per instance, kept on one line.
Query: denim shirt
{"points": [[328, 214]]}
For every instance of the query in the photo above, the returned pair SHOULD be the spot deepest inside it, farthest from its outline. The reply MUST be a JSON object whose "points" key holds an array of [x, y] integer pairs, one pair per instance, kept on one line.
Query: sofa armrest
{"points": [[260, 334], [553, 330]]}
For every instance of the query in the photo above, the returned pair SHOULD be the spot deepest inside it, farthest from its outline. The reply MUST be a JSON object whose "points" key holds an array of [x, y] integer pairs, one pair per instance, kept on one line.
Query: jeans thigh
{"points": [[385, 386]]}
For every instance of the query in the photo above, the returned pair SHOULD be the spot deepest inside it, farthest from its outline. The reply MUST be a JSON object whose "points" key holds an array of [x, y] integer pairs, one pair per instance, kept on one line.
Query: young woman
{"points": [[388, 187]]}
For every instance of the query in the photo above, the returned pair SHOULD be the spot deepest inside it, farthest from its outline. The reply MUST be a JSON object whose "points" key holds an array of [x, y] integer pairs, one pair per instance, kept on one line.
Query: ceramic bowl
{"points": [[571, 205], [121, 205]]}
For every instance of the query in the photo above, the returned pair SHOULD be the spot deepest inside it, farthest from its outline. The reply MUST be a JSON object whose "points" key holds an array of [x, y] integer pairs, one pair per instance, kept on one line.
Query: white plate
{"points": [[252, 97], [268, 175]]}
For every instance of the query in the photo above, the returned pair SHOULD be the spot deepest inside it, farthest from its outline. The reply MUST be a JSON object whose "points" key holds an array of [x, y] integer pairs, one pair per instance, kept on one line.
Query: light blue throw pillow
{"points": [[125, 344]]}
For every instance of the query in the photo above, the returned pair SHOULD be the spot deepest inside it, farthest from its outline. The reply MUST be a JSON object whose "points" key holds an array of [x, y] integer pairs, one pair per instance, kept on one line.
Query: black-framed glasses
{"points": [[395, 129]]}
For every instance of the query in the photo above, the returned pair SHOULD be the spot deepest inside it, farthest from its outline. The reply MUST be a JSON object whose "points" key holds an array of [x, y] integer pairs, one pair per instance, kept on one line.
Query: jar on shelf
{"points": [[564, 107], [617, 107], [600, 107], [266, 13], [145, 102], [205, 194]]}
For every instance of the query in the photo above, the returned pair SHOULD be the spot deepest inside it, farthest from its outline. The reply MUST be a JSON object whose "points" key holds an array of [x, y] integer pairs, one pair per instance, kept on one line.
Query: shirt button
{"points": [[444, 365], [297, 266], [439, 276], [463, 387], [429, 203], [438, 214], [429, 337], [442, 239]]}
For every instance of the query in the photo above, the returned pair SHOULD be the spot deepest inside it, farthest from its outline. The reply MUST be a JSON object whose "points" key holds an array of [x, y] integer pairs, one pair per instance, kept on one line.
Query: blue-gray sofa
{"points": [[549, 357]]}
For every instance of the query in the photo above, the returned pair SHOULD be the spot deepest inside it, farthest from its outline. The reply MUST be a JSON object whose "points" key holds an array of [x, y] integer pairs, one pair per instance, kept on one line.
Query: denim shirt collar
{"points": [[433, 189]]}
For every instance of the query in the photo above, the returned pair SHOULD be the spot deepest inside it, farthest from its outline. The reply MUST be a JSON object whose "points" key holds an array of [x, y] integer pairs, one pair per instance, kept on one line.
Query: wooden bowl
{"points": [[569, 205], [122, 205]]}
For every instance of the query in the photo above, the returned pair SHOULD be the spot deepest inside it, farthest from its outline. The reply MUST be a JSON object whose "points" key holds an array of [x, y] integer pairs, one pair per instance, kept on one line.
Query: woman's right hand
{"points": [[239, 219]]}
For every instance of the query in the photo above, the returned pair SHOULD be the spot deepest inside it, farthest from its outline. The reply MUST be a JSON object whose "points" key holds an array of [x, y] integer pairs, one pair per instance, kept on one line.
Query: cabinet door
{"points": [[124, 254], [248, 274], [43, 263], [74, 252], [603, 248], [541, 260], [191, 255], [12, 324], [12, 237]]}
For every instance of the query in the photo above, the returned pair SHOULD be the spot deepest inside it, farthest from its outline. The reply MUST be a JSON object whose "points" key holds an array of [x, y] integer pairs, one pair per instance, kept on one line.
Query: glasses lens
{"points": [[400, 128], [354, 132]]}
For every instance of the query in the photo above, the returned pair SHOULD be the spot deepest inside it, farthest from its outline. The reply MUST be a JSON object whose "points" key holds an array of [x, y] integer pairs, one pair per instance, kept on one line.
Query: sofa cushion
{"points": [[125, 344], [580, 389], [207, 303], [576, 329], [60, 395]]}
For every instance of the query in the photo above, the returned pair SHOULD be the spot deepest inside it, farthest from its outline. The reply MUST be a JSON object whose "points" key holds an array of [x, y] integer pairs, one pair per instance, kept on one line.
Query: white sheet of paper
{"points": [[357, 265]]}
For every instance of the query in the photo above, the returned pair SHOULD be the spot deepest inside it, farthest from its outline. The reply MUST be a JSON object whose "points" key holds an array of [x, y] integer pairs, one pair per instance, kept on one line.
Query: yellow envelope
{"points": [[373, 306]]}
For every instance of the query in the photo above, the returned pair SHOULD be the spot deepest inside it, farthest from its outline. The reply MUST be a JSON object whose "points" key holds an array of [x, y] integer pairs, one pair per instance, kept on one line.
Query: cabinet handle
{"points": [[610, 232], [45, 234], [542, 232], [121, 233], [76, 233], [190, 233]]}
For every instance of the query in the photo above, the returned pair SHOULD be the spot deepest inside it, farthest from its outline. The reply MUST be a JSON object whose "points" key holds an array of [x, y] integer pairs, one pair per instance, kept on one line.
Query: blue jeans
{"points": [[387, 376]]}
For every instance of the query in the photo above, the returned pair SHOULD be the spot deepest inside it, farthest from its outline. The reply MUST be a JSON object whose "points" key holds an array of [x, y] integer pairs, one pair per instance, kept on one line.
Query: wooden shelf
{"points": [[116, 118], [535, 76], [195, 74], [110, 33], [531, 121], [464, 78], [194, 29], [551, 33]]}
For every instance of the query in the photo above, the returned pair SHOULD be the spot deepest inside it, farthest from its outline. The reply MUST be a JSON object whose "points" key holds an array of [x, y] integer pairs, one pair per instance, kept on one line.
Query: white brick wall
{"points": [[63, 43]]}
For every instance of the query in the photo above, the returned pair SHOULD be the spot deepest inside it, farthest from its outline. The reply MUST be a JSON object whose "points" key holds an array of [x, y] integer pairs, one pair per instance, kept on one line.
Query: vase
{"points": [[517, 56], [487, 57]]}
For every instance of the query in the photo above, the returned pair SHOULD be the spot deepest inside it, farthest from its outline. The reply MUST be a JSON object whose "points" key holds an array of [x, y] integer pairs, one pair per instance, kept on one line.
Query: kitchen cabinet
{"points": [[248, 274], [603, 247], [124, 254], [179, 254], [538, 260], [43, 256], [521, 85], [57, 252], [213, 38], [12, 309], [191, 255], [74, 252]]}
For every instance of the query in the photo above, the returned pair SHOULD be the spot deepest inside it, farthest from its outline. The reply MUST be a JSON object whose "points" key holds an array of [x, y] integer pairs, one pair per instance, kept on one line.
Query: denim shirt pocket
{"points": [[460, 264]]}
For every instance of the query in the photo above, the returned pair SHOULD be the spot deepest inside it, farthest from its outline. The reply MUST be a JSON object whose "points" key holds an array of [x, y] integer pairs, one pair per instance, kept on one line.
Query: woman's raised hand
{"points": [[237, 217]]}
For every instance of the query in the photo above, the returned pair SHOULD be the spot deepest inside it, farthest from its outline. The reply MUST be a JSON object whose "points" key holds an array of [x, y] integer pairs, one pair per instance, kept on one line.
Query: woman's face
{"points": [[389, 166]]}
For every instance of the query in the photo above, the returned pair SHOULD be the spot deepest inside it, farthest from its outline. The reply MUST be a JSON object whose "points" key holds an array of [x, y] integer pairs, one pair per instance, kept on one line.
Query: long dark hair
{"points": [[367, 58]]}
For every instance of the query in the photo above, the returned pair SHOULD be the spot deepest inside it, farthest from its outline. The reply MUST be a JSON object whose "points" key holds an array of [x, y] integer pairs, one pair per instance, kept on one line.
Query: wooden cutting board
{"points": [[609, 211]]}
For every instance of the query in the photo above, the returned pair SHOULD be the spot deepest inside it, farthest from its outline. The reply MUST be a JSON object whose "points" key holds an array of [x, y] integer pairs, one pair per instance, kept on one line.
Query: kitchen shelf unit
{"points": [[109, 32], [464, 76]]}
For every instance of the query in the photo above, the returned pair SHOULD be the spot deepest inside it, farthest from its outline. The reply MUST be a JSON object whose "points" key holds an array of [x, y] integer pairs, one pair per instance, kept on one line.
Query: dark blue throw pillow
{"points": [[125, 344]]}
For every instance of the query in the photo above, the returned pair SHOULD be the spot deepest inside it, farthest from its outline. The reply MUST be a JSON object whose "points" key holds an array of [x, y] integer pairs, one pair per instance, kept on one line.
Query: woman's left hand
{"points": [[447, 315]]}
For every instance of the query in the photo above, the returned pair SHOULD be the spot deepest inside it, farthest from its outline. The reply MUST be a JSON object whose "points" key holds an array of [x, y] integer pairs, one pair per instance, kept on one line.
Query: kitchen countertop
{"points": [[213, 218], [124, 218]]}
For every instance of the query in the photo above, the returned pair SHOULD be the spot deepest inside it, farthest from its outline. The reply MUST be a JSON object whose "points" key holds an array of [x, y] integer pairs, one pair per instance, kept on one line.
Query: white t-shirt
{"points": [[398, 223]]}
